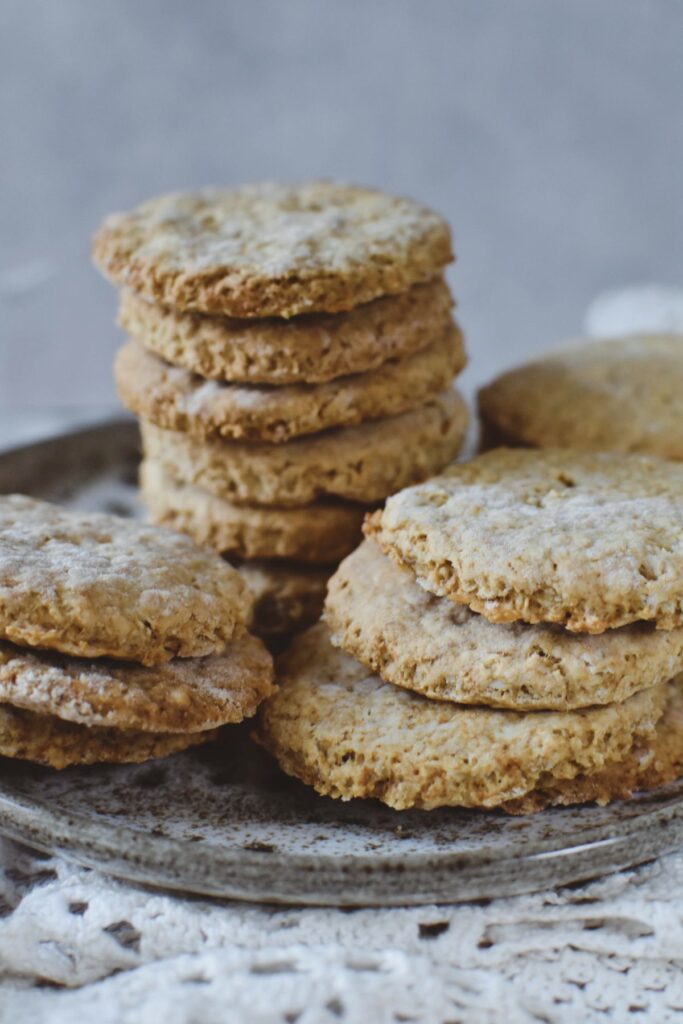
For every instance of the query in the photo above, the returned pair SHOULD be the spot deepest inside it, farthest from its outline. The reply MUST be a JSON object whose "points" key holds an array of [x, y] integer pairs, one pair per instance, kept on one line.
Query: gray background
{"points": [[549, 132]]}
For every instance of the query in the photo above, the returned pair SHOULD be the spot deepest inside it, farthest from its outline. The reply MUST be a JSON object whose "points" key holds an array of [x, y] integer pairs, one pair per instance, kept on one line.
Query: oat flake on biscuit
{"points": [[273, 249], [100, 586], [322, 726], [378, 613], [589, 541]]}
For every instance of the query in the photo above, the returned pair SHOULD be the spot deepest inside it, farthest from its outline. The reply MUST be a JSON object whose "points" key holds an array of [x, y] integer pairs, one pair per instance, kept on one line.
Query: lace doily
{"points": [[75, 945]]}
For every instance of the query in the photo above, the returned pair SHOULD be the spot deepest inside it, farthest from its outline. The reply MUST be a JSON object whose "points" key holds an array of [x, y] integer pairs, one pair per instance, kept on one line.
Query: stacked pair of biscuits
{"points": [[509, 635], [119, 642], [291, 357]]}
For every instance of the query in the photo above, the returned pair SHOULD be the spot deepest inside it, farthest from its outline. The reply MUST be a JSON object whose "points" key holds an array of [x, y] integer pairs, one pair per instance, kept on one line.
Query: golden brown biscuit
{"points": [[100, 586], [588, 541], [184, 695], [273, 249], [348, 734], [309, 349], [620, 394], [363, 463], [178, 400], [321, 533], [379, 614], [50, 741]]}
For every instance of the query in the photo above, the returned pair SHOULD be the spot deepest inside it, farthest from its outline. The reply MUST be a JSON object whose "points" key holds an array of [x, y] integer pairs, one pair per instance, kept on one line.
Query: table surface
{"points": [[76, 945]]}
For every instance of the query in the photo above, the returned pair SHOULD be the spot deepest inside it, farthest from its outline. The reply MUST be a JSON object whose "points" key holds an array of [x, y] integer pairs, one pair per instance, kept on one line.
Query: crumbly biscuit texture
{"points": [[50, 741], [651, 763], [310, 349], [288, 597], [620, 394], [321, 533], [175, 399], [322, 726], [362, 464], [378, 613], [273, 249], [589, 541], [95, 585], [183, 695]]}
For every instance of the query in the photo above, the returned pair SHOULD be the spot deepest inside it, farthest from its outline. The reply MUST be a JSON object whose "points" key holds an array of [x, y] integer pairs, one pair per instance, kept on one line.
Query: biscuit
{"points": [[288, 597], [94, 585], [184, 695], [50, 741], [321, 533], [177, 400], [620, 394], [378, 613], [363, 463], [348, 734], [273, 249], [311, 349], [588, 541]]}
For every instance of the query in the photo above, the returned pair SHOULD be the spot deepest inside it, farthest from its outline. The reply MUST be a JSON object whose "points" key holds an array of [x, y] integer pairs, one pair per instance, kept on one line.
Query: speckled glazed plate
{"points": [[224, 821]]}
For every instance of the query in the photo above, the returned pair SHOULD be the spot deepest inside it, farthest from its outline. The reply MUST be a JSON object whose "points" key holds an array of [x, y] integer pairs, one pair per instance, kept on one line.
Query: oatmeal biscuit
{"points": [[273, 249]]}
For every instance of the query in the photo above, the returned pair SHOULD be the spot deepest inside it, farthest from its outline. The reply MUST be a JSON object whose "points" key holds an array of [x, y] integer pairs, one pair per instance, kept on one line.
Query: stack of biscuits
{"points": [[291, 357], [119, 642], [509, 635]]}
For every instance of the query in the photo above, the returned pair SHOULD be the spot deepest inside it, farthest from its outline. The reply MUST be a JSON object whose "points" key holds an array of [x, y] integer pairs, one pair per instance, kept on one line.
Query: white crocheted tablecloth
{"points": [[76, 946]]}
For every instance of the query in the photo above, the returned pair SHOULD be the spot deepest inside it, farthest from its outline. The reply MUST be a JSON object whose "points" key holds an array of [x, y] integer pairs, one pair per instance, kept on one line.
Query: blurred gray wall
{"points": [[549, 132]]}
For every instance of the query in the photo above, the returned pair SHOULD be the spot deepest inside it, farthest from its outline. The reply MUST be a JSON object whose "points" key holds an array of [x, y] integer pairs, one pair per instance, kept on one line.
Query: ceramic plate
{"points": [[224, 821]]}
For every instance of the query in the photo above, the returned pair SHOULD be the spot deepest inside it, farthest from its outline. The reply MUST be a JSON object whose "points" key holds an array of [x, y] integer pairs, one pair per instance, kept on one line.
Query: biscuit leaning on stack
{"points": [[523, 614], [618, 394], [119, 642], [291, 362]]}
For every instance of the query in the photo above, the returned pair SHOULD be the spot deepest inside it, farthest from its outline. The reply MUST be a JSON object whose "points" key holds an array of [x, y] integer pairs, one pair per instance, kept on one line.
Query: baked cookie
{"points": [[322, 726], [378, 613], [184, 695], [321, 533], [50, 741], [620, 394], [288, 597], [363, 463], [589, 541], [177, 400], [273, 249], [95, 585], [311, 349]]}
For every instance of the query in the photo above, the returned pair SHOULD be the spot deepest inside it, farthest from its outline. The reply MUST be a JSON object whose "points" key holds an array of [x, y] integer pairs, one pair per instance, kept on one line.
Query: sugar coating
{"points": [[620, 394], [362, 463], [50, 741], [176, 399], [100, 586], [183, 695], [589, 541], [348, 734], [309, 349], [377, 612], [322, 532], [273, 249]]}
